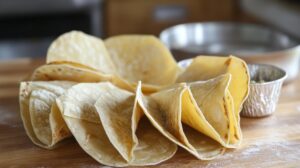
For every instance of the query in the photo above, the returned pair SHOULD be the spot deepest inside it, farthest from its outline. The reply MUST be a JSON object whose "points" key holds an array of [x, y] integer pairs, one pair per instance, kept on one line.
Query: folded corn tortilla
{"points": [[207, 67], [192, 115], [41, 117], [81, 49], [142, 57], [105, 121]]}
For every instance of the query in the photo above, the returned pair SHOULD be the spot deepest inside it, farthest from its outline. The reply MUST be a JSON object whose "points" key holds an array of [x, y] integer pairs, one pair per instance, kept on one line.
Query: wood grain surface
{"points": [[272, 141]]}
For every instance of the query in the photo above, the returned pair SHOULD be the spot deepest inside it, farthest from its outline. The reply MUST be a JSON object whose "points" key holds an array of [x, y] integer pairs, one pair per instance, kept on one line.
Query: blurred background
{"points": [[28, 27]]}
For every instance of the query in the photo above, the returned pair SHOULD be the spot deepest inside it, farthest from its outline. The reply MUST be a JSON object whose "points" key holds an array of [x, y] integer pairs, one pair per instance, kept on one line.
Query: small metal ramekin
{"points": [[265, 87]]}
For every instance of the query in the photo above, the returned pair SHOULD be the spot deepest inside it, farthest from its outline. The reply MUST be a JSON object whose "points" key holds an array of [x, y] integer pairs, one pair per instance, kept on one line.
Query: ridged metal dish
{"points": [[265, 87]]}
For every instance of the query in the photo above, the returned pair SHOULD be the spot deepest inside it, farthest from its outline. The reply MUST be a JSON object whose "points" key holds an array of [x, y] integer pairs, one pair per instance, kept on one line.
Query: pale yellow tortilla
{"points": [[207, 67], [138, 142], [165, 109], [78, 110], [142, 58], [81, 48], [70, 72], [215, 103], [125, 141], [41, 119]]}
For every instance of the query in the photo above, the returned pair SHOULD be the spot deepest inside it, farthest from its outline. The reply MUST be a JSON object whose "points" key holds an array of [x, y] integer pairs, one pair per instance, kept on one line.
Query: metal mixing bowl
{"points": [[253, 43]]}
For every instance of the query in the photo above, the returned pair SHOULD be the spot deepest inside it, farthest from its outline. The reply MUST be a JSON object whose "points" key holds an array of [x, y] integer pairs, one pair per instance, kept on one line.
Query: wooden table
{"points": [[268, 142]]}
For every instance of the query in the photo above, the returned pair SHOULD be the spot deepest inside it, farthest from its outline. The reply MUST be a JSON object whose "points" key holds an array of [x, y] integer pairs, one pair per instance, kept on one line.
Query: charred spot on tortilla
{"points": [[228, 62]]}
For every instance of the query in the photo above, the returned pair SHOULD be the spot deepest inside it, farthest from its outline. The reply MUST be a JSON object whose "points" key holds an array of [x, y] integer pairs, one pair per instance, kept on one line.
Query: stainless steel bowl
{"points": [[253, 43]]}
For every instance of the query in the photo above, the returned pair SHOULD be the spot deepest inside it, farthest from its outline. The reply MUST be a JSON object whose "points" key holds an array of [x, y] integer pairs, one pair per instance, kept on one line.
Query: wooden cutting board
{"points": [[268, 142]]}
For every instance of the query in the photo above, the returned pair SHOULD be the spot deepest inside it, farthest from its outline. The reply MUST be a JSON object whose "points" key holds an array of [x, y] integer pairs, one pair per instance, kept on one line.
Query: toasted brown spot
{"points": [[226, 136], [63, 133], [225, 109], [243, 65], [227, 125], [145, 72], [226, 113], [235, 135], [59, 69], [227, 62], [47, 77]]}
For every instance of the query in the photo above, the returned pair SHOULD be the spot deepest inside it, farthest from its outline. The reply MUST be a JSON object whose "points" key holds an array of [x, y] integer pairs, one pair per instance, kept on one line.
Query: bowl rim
{"points": [[281, 79]]}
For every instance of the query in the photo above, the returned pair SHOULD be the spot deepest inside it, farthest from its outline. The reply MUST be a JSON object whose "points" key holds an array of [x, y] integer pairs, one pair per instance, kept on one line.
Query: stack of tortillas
{"points": [[127, 102]]}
